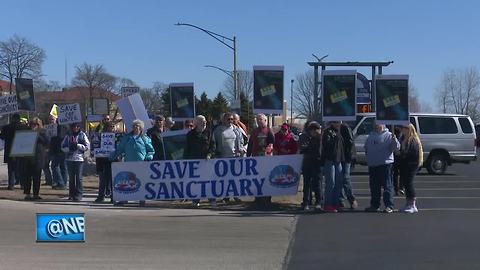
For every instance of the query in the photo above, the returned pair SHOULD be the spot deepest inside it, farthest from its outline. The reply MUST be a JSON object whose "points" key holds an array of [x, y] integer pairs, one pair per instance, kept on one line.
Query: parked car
{"points": [[477, 132], [446, 139]]}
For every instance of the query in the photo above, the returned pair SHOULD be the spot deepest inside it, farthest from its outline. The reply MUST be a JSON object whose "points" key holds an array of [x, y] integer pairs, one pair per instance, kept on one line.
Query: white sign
{"points": [[107, 141], [69, 113], [100, 106], [24, 144], [51, 130], [132, 108], [8, 104], [128, 91], [199, 179]]}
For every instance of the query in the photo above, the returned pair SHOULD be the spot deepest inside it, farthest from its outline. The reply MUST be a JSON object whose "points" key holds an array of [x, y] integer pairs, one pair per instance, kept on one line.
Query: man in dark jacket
{"points": [[199, 145], [350, 153], [155, 134], [7, 134], [311, 167]]}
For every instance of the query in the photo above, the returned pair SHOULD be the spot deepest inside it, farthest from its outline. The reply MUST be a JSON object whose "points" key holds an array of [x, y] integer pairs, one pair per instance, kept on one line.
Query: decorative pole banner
{"points": [[339, 95], [69, 113], [128, 91], [392, 99], [268, 89], [8, 104], [25, 97], [202, 179], [182, 101]]}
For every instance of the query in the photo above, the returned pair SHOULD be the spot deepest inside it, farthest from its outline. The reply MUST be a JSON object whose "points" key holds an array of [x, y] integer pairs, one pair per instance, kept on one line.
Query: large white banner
{"points": [[200, 179]]}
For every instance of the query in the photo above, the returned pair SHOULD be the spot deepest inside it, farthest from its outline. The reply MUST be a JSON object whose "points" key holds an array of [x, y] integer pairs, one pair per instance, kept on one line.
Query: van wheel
{"points": [[437, 164]]}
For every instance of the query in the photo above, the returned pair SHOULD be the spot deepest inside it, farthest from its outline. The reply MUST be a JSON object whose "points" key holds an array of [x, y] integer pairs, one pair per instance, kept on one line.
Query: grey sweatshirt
{"points": [[379, 148]]}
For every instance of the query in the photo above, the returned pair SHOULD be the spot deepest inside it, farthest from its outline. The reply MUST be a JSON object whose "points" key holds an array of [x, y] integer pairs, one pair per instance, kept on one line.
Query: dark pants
{"points": [[105, 180], [407, 175], [29, 176], [47, 172], [12, 173], [312, 183], [381, 177], [397, 181], [75, 185]]}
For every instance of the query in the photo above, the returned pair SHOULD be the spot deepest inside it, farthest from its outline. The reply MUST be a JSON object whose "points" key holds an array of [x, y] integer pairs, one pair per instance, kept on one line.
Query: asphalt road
{"points": [[443, 235]]}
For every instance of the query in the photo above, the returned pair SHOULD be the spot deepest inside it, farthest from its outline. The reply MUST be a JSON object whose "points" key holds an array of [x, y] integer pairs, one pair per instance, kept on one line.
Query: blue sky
{"points": [[138, 39]]}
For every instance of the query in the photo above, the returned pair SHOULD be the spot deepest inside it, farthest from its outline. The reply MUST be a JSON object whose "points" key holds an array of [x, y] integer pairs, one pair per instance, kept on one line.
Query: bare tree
{"points": [[152, 97], [303, 103], [413, 101], [94, 77], [459, 92], [19, 58], [42, 85], [245, 85]]}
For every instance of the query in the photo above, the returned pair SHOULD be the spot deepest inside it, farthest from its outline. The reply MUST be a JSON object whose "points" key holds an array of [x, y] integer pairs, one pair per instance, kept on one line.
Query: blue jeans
{"points": [[381, 176], [13, 177], [312, 183], [75, 185], [333, 182], [47, 172], [105, 178], [59, 170], [347, 183]]}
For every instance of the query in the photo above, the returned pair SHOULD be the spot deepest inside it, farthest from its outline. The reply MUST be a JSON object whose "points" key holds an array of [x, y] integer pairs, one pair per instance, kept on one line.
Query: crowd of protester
{"points": [[328, 154]]}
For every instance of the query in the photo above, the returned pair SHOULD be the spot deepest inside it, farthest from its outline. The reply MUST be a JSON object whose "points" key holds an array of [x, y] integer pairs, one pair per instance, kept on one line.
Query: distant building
{"points": [[5, 87]]}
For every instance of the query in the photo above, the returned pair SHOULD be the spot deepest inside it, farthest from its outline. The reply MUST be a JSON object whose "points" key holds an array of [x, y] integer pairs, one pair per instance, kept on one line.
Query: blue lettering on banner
{"points": [[172, 170], [60, 227], [215, 192], [224, 168], [189, 190], [148, 188]]}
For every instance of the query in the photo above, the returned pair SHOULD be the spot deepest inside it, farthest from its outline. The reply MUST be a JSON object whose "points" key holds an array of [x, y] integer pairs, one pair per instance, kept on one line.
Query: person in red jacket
{"points": [[285, 144]]}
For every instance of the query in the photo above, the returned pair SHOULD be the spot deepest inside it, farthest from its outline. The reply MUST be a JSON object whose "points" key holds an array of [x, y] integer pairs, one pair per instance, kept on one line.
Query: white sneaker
{"points": [[409, 209]]}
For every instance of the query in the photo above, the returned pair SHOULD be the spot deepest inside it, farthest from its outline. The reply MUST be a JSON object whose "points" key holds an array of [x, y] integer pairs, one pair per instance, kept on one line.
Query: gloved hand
{"points": [[148, 158], [72, 147]]}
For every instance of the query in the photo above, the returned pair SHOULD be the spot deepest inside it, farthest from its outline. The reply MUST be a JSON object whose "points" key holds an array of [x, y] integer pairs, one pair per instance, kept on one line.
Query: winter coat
{"points": [[199, 145], [411, 153], [348, 143], [332, 146], [311, 153], [75, 146], [379, 148], [39, 160], [134, 148], [285, 144], [157, 142], [260, 138]]}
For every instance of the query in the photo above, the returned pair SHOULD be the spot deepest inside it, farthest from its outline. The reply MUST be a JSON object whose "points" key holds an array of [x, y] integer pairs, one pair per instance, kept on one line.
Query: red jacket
{"points": [[285, 144]]}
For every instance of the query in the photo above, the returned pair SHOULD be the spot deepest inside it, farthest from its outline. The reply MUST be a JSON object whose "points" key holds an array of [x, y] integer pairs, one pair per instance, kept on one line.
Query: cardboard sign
{"points": [[392, 99], [339, 95], [51, 130], [8, 104], [132, 108], [201, 179], [268, 89], [69, 113], [100, 106], [25, 96], [128, 91], [24, 143], [182, 101], [174, 143]]}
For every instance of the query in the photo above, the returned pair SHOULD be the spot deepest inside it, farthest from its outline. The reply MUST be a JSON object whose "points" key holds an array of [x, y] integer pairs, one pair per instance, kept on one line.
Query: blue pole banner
{"points": [[392, 99], [202, 179]]}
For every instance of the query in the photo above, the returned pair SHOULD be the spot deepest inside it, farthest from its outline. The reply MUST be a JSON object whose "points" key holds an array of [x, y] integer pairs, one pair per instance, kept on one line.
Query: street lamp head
{"points": [[292, 80]]}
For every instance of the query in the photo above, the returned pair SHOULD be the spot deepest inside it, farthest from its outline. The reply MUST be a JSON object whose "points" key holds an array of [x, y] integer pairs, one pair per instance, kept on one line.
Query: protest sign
{"points": [[392, 99], [182, 101], [8, 104], [107, 145], [69, 113], [25, 96], [132, 108], [174, 143], [51, 130], [128, 91], [201, 179], [24, 143], [100, 106], [339, 95], [268, 89]]}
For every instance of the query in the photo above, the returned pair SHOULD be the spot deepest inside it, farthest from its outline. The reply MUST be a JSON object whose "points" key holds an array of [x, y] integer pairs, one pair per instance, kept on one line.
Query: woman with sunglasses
{"points": [[36, 163], [75, 144]]}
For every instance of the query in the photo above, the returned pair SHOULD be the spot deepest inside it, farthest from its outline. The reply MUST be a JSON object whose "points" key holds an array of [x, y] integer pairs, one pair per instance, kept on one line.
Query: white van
{"points": [[446, 138]]}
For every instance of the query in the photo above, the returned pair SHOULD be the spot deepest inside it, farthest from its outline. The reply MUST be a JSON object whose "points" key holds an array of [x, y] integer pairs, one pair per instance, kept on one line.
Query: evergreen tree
{"points": [[219, 106], [246, 115], [203, 106], [166, 106]]}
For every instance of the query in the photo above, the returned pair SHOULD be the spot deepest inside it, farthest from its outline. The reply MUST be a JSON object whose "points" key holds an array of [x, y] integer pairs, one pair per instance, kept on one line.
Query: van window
{"points": [[412, 121], [437, 125], [465, 124], [366, 126]]}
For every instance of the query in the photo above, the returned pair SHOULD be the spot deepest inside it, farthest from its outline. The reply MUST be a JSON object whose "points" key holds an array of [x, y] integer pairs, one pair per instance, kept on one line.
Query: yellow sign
{"points": [[54, 111], [338, 96], [390, 101], [269, 90]]}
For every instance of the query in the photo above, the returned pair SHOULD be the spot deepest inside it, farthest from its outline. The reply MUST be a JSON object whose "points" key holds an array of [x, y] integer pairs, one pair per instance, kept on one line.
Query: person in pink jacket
{"points": [[285, 144]]}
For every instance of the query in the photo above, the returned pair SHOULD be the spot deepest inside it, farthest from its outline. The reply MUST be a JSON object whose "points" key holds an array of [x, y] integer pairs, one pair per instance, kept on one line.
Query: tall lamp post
{"points": [[291, 101], [232, 46]]}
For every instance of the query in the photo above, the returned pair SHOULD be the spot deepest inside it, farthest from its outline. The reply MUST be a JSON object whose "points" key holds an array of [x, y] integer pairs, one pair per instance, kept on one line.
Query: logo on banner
{"points": [[126, 182], [269, 90], [284, 176], [60, 227]]}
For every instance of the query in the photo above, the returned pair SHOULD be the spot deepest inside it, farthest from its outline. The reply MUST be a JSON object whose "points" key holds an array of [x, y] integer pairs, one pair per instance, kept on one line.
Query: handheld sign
{"points": [[182, 101], [25, 96], [339, 95], [24, 143], [51, 130], [268, 89], [392, 99], [132, 108], [69, 113], [8, 104], [107, 145]]}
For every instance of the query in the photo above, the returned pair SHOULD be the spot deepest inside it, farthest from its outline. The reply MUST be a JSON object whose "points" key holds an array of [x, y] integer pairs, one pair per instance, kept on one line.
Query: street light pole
{"points": [[291, 101], [233, 47]]}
